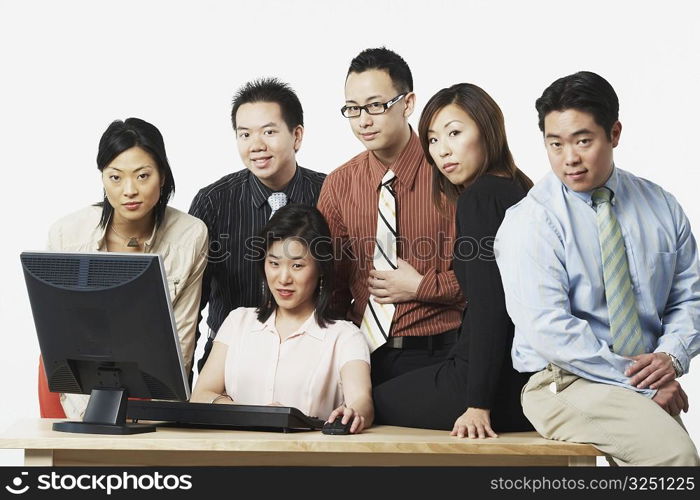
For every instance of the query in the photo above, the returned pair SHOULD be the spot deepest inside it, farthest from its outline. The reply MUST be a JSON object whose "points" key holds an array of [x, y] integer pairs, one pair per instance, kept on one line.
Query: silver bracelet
{"points": [[675, 364], [219, 397]]}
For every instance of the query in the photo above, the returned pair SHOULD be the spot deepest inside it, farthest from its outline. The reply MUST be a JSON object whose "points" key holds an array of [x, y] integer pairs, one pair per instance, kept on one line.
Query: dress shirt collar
{"points": [[585, 196], [260, 192], [310, 326], [100, 243], [148, 244], [405, 167]]}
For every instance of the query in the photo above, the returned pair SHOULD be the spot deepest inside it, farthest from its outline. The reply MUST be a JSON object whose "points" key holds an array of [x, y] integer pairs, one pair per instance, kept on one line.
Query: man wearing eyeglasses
{"points": [[394, 273]]}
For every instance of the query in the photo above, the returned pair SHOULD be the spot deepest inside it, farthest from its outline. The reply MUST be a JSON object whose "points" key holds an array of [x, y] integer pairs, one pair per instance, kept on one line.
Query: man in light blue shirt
{"points": [[601, 276]]}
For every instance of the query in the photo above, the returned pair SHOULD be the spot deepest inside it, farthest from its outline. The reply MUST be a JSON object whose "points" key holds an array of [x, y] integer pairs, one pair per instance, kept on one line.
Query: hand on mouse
{"points": [[348, 414]]}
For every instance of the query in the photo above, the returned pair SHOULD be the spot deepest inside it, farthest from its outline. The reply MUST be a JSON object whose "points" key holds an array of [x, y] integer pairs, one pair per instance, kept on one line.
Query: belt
{"points": [[425, 342]]}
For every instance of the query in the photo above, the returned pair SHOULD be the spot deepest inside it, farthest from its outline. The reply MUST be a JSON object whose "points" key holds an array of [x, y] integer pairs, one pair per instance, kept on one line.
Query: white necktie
{"points": [[276, 201], [376, 321]]}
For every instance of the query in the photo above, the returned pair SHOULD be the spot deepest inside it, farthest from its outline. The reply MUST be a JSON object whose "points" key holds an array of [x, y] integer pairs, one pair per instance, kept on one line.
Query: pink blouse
{"points": [[303, 371]]}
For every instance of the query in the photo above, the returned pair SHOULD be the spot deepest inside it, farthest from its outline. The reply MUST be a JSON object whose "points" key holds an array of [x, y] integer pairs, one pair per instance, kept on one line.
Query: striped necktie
{"points": [[376, 321], [625, 330], [277, 201]]}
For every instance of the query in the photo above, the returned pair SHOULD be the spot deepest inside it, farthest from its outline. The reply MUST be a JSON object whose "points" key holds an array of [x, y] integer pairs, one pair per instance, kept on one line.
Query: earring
{"points": [[320, 285]]}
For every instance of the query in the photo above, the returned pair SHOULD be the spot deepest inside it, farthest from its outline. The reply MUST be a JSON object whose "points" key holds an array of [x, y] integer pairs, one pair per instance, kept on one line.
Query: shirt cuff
{"points": [[650, 393], [424, 292], [674, 347]]}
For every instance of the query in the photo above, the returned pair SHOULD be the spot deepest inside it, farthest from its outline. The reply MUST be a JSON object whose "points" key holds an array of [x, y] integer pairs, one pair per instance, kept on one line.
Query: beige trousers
{"points": [[629, 427]]}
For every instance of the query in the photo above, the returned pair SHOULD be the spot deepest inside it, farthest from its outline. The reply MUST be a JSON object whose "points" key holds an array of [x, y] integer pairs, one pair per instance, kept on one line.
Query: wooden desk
{"points": [[381, 445]]}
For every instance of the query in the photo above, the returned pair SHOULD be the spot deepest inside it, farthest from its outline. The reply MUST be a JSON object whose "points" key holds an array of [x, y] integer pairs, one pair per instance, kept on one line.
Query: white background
{"points": [[68, 68]]}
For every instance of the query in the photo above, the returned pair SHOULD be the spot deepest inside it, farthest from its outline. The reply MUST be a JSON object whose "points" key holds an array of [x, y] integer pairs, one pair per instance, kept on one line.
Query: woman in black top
{"points": [[476, 390]]}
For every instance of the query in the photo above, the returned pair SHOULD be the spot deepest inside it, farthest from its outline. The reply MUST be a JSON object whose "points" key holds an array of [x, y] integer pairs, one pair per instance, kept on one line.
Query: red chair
{"points": [[49, 402]]}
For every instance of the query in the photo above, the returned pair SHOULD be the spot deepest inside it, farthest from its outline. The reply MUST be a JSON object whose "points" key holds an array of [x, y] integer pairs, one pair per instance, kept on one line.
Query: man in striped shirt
{"points": [[268, 121], [425, 305]]}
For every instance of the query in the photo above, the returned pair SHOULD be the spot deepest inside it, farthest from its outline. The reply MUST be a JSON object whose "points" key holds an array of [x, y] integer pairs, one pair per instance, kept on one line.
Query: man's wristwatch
{"points": [[676, 364]]}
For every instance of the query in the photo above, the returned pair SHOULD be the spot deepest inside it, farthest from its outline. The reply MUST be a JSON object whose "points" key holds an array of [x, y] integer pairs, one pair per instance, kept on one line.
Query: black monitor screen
{"points": [[105, 321]]}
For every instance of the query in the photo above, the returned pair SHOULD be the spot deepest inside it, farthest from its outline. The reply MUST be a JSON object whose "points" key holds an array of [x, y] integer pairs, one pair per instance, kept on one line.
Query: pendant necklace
{"points": [[132, 242]]}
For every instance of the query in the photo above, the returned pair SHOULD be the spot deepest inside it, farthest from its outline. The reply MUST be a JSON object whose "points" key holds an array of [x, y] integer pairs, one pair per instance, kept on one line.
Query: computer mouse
{"points": [[336, 427]]}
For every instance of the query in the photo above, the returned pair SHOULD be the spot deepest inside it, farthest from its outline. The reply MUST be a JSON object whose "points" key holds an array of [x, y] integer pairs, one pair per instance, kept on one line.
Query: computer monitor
{"points": [[106, 328]]}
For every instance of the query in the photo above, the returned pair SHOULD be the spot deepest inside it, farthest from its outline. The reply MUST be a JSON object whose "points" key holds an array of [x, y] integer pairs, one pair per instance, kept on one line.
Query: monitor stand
{"points": [[105, 414]]}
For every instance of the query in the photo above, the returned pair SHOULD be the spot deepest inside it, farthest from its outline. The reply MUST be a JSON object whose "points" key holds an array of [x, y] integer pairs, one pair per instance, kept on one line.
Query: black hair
{"points": [[487, 115], [584, 91], [307, 225], [384, 59], [270, 90], [123, 135]]}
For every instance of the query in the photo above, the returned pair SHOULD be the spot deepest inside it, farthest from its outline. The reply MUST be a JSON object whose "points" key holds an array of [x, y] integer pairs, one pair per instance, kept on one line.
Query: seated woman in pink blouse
{"points": [[289, 351]]}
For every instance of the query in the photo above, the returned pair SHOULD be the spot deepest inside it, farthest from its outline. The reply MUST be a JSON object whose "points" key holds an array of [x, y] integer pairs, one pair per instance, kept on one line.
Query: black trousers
{"points": [[433, 397], [388, 362]]}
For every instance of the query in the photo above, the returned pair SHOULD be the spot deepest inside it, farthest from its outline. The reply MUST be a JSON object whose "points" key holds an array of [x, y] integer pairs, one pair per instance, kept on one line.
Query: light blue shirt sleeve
{"points": [[681, 316], [531, 257]]}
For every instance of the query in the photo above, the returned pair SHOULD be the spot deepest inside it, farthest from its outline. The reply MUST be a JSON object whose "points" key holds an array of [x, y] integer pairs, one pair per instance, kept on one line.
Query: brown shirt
{"points": [[348, 201]]}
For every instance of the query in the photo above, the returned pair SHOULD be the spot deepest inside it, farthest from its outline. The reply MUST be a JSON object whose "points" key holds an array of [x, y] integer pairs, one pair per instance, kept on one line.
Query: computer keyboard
{"points": [[247, 417]]}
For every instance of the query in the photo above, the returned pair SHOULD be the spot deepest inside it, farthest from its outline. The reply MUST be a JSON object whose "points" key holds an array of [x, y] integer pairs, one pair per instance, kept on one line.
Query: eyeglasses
{"points": [[373, 108]]}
